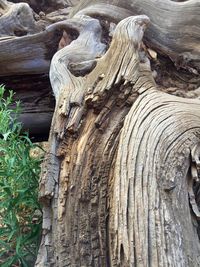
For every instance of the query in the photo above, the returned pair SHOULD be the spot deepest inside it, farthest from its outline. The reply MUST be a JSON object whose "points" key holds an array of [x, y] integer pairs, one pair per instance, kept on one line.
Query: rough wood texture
{"points": [[17, 19], [26, 49], [28, 43], [174, 27], [150, 210], [120, 183], [48, 5], [29, 54], [115, 182]]}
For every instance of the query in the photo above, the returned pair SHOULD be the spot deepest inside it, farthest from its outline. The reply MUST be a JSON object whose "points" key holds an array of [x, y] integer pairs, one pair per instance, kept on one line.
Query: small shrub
{"points": [[20, 212]]}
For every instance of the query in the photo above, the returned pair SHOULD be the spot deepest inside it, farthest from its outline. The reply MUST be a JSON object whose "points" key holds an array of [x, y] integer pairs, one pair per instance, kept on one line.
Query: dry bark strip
{"points": [[115, 182]]}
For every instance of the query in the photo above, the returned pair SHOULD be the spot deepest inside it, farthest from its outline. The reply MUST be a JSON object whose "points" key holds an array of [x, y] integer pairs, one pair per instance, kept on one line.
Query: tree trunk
{"points": [[120, 182], [123, 158]]}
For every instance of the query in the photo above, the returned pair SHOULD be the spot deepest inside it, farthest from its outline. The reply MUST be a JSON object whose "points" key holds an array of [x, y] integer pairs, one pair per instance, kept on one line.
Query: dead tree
{"points": [[120, 182]]}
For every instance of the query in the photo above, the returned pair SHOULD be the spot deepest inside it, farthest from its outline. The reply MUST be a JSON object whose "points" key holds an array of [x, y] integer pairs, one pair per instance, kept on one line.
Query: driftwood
{"points": [[120, 182]]}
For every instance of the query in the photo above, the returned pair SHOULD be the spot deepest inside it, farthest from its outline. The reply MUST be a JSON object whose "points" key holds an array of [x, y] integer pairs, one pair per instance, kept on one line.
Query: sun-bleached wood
{"points": [[24, 47], [119, 185], [174, 27], [17, 19], [116, 180]]}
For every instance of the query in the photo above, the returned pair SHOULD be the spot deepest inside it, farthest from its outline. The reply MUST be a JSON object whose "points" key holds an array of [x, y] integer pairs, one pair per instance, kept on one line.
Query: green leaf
{"points": [[5, 245], [5, 136], [19, 176], [10, 261]]}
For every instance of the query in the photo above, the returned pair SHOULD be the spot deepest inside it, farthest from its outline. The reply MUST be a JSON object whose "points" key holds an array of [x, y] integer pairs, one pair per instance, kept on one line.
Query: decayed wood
{"points": [[69, 97], [17, 19], [30, 54], [124, 156], [79, 57], [32, 51], [174, 27], [48, 5], [176, 38], [27, 42], [115, 182], [26, 50]]}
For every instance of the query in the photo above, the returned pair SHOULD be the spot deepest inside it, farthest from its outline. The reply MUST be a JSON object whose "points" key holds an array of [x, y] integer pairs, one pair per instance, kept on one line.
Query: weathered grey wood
{"points": [[85, 48], [115, 182], [32, 54], [154, 223], [174, 27], [27, 44], [28, 54], [69, 97], [119, 184], [48, 5], [17, 19], [176, 38]]}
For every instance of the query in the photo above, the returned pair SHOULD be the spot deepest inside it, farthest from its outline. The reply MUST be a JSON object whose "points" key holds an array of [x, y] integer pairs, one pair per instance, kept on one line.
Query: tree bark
{"points": [[120, 182]]}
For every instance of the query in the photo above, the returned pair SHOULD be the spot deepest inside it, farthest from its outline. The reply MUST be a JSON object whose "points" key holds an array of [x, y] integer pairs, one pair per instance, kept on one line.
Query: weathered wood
{"points": [[176, 38], [69, 97], [48, 5], [17, 19], [119, 185], [36, 101], [28, 54], [27, 44], [83, 50], [116, 179], [174, 27], [150, 209]]}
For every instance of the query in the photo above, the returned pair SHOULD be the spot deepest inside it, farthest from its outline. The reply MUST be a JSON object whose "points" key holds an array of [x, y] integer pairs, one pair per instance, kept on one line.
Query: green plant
{"points": [[20, 211]]}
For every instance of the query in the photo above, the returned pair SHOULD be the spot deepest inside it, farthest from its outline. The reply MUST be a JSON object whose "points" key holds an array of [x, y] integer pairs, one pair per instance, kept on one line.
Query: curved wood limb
{"points": [[17, 20], [173, 30], [80, 56], [125, 165]]}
